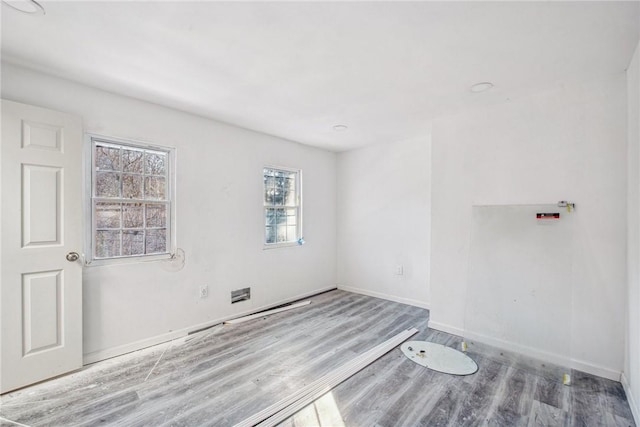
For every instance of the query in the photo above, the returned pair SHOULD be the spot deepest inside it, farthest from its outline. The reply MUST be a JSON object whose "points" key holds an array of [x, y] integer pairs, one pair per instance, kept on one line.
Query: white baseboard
{"points": [[597, 370], [633, 403], [446, 328], [388, 297], [108, 353], [581, 365]]}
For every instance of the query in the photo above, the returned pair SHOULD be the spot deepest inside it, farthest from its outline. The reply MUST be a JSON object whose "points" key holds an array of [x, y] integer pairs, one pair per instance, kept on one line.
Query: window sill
{"points": [[126, 260], [268, 246]]}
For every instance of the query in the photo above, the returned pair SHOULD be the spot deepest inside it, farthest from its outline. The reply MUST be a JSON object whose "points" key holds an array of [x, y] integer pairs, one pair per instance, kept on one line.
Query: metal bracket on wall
{"points": [[564, 204]]}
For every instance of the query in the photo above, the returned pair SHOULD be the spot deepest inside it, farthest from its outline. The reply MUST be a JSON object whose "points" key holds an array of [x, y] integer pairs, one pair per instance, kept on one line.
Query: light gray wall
{"points": [[384, 220], [631, 377], [220, 222], [564, 143]]}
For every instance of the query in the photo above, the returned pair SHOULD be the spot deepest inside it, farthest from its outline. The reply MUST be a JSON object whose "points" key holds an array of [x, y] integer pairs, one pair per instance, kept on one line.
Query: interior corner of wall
{"points": [[634, 403]]}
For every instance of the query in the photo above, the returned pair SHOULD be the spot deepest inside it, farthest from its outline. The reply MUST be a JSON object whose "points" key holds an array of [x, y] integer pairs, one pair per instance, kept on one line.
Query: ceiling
{"points": [[296, 69]]}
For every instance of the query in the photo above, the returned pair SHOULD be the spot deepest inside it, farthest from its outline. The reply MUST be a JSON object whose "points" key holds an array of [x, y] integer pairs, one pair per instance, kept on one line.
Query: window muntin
{"points": [[131, 203], [282, 206]]}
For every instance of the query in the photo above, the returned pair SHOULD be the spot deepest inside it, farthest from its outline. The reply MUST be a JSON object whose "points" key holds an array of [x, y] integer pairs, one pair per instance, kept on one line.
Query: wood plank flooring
{"points": [[222, 375]]}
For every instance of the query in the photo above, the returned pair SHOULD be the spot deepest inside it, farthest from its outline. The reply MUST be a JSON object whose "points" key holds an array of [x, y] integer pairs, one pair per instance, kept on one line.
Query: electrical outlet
{"points": [[399, 270], [204, 291]]}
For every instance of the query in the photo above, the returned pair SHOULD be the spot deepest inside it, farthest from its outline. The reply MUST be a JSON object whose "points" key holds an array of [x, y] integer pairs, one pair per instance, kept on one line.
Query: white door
{"points": [[41, 230]]}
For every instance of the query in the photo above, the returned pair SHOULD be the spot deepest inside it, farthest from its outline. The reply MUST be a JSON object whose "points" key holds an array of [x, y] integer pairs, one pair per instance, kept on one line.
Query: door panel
{"points": [[42, 310], [41, 198], [41, 136], [41, 220]]}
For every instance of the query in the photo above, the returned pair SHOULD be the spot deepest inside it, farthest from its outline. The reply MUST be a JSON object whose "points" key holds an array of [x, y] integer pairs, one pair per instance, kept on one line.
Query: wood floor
{"points": [[222, 375]]}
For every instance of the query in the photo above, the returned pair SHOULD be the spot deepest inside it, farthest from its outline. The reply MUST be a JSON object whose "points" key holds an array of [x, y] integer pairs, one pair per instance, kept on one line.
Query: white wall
{"points": [[219, 219], [565, 143], [631, 376], [384, 220]]}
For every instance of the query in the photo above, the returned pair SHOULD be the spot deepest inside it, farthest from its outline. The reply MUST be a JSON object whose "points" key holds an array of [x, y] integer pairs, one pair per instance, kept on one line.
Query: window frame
{"points": [[298, 206], [90, 217]]}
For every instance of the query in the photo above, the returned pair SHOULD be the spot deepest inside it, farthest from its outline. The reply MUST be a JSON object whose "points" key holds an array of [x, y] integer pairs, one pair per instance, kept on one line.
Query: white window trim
{"points": [[88, 255], [299, 196]]}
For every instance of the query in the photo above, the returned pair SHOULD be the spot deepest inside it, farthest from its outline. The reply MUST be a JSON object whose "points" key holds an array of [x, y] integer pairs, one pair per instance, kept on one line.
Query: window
{"points": [[131, 199], [282, 206]]}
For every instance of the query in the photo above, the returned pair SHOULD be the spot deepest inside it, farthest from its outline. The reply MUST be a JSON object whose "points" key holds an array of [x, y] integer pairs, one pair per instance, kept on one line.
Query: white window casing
{"points": [[130, 201], [282, 198]]}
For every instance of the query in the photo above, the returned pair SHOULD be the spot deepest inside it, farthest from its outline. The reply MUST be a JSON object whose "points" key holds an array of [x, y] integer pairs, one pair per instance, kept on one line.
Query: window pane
{"points": [[155, 163], [270, 234], [108, 215], [107, 158], [132, 160], [281, 216], [156, 216], [133, 242], [270, 216], [290, 191], [132, 214], [269, 190], [107, 244], [132, 186], [107, 184], [156, 241], [268, 172], [154, 188], [291, 216], [278, 195], [282, 233], [292, 232]]}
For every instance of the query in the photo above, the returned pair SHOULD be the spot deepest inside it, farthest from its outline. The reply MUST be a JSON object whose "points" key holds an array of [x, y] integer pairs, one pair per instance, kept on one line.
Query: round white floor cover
{"points": [[439, 357]]}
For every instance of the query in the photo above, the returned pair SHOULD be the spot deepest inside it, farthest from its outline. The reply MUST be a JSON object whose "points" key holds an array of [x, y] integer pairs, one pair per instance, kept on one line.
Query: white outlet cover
{"points": [[439, 357]]}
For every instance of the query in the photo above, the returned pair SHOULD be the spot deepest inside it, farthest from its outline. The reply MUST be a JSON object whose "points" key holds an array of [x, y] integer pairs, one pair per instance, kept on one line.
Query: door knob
{"points": [[72, 256]]}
